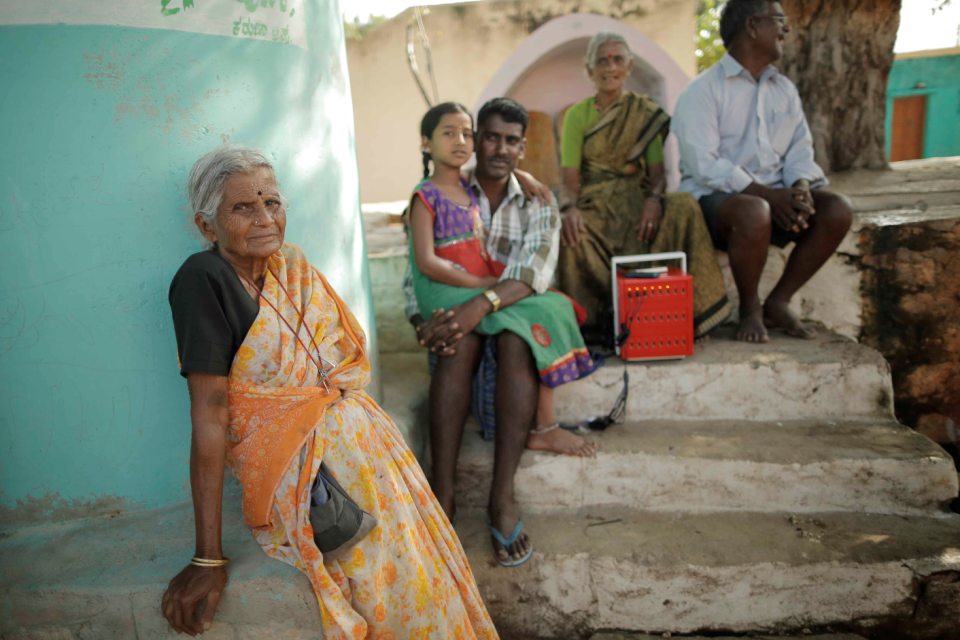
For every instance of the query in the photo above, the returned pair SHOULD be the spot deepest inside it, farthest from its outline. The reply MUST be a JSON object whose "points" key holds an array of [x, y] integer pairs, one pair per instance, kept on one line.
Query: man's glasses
{"points": [[779, 18]]}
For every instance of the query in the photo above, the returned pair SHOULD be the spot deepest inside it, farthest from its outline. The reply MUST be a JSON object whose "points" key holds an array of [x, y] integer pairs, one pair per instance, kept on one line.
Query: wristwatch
{"points": [[494, 299]]}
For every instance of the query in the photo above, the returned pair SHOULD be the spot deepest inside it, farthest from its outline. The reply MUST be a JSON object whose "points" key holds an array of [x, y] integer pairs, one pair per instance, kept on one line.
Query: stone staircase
{"points": [[750, 488]]}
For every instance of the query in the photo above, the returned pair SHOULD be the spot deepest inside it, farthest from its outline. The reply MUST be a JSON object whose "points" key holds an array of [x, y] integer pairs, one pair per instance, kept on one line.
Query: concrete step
{"points": [[383, 228], [387, 239], [406, 385], [394, 333], [828, 377], [705, 466], [103, 578], [594, 569], [609, 568]]}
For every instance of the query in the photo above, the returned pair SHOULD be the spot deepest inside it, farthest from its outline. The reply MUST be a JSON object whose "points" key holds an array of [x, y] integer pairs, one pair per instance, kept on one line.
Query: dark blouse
{"points": [[212, 313]]}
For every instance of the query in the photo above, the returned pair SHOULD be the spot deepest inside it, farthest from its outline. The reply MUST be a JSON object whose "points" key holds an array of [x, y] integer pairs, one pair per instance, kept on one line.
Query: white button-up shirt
{"points": [[734, 130]]}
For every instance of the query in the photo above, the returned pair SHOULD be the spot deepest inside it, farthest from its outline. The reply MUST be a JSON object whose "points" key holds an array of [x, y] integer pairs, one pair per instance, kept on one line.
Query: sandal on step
{"points": [[506, 542]]}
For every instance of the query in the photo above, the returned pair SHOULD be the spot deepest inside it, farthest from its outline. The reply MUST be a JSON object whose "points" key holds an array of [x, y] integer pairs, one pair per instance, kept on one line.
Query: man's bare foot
{"points": [[556, 440], [777, 314], [751, 327]]}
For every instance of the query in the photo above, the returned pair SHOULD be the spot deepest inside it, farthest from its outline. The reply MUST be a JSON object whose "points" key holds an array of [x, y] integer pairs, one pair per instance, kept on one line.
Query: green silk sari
{"points": [[613, 187]]}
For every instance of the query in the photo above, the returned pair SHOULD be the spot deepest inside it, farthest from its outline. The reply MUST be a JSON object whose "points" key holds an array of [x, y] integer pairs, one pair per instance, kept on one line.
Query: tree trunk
{"points": [[839, 54]]}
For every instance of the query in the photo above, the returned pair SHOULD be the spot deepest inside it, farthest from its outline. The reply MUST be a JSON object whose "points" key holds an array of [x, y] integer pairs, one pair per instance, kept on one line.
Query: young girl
{"points": [[450, 266]]}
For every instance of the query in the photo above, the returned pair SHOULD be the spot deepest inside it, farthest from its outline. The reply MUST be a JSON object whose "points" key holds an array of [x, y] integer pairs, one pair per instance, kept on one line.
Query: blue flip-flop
{"points": [[506, 542]]}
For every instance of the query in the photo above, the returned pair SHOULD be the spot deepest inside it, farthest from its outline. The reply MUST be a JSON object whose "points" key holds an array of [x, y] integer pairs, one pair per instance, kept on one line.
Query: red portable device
{"points": [[652, 307]]}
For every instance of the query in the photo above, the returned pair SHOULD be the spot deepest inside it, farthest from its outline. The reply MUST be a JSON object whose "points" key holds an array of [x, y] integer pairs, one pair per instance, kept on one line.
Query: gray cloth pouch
{"points": [[338, 522]]}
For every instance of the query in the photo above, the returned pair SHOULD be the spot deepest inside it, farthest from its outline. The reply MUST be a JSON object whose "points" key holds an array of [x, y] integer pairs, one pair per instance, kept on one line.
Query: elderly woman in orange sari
{"points": [[276, 367]]}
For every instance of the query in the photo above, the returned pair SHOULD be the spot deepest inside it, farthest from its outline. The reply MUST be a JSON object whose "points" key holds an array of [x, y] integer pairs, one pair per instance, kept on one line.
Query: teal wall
{"points": [[101, 124], [940, 76]]}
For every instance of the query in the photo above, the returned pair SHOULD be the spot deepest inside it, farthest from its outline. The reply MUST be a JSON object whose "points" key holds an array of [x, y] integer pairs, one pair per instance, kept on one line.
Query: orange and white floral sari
{"points": [[409, 578]]}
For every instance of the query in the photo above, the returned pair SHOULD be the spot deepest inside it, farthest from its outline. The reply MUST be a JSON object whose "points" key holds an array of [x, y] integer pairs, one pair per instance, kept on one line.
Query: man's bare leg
{"points": [[744, 222], [450, 392], [828, 226], [516, 406], [548, 436]]}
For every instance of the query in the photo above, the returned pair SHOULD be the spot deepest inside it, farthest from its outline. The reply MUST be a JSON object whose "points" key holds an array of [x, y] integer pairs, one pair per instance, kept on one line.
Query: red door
{"points": [[909, 118]]}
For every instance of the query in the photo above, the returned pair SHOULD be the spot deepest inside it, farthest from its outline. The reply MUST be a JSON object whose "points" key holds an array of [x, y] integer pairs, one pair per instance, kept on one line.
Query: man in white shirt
{"points": [[747, 154]]}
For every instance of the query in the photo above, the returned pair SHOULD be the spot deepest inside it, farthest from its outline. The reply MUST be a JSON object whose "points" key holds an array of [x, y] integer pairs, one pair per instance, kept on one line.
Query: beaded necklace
{"points": [[318, 361]]}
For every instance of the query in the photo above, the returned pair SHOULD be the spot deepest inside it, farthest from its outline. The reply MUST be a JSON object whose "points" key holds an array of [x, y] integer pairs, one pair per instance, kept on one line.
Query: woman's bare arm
{"points": [[191, 598], [571, 186], [571, 221], [210, 415], [656, 179], [652, 211]]}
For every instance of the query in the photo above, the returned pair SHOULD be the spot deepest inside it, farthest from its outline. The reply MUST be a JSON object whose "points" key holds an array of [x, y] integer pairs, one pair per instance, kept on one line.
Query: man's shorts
{"points": [[710, 205]]}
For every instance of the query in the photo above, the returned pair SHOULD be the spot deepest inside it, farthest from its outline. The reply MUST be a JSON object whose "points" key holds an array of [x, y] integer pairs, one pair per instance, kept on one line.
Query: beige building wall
{"points": [[470, 43]]}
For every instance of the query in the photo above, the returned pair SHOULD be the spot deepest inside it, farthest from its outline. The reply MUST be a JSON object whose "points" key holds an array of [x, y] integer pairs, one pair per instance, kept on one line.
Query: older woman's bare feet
{"points": [[751, 327], [557, 440], [777, 314]]}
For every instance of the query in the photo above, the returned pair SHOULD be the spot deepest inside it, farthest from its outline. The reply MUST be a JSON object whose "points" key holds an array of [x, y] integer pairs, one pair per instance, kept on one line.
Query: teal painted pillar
{"points": [[105, 107]]}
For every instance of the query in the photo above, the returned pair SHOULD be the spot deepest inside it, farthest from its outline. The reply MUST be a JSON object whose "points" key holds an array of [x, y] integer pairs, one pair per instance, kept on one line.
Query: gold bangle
{"points": [[493, 298], [197, 561]]}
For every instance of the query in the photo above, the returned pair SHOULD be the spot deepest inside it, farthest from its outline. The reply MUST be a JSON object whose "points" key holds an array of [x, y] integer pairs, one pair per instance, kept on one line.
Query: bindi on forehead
{"points": [[249, 189], [258, 189], [612, 54]]}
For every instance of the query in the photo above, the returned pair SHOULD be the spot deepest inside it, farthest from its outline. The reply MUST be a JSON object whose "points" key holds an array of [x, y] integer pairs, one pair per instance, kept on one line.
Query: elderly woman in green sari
{"points": [[614, 199]]}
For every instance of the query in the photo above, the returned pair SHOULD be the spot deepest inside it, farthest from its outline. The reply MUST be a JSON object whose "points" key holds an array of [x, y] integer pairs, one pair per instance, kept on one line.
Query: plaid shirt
{"points": [[524, 235]]}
